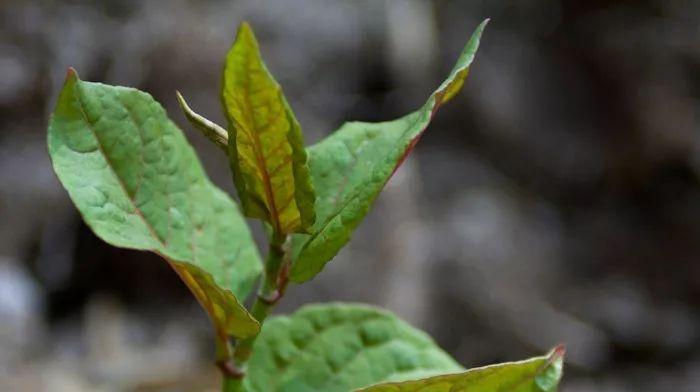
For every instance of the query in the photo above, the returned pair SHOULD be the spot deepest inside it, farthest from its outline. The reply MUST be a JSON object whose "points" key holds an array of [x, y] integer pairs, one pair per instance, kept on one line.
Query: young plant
{"points": [[138, 184]]}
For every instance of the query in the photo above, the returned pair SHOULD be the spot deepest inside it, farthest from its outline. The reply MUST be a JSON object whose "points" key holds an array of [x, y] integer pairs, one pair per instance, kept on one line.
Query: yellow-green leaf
{"points": [[266, 148], [138, 184], [540, 374]]}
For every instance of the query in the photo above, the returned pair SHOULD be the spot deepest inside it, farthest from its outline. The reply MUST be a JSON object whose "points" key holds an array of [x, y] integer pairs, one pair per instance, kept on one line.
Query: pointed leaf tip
{"points": [[245, 25], [71, 73], [245, 31], [558, 352]]}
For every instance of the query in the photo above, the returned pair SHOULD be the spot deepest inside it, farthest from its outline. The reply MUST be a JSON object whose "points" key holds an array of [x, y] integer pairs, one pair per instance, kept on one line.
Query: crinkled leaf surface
{"points": [[266, 147], [138, 184], [541, 374], [341, 347], [350, 168]]}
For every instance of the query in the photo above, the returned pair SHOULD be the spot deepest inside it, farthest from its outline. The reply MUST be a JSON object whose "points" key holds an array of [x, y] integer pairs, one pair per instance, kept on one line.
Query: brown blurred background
{"points": [[555, 200]]}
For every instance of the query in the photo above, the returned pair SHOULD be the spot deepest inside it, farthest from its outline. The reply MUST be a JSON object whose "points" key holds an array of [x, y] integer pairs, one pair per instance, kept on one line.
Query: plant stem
{"points": [[271, 290], [232, 385], [230, 373]]}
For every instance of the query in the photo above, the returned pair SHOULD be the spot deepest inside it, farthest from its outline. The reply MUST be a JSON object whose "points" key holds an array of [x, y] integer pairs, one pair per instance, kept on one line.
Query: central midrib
{"points": [[260, 157], [110, 165], [205, 302]]}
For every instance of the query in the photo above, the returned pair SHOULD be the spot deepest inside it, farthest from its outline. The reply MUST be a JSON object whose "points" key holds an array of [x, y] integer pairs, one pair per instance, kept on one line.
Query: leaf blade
{"points": [[139, 185], [540, 374], [266, 146], [350, 168], [340, 347]]}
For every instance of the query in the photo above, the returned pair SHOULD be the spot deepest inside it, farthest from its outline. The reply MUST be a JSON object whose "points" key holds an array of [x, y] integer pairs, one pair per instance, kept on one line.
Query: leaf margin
{"points": [[546, 377]]}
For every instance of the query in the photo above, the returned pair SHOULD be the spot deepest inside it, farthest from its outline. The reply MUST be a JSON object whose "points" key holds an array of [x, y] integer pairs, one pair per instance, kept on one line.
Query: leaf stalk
{"points": [[271, 290]]}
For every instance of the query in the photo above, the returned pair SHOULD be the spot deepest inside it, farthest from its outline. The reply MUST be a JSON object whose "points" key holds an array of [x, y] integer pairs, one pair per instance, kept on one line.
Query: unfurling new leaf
{"points": [[138, 184], [350, 168], [210, 129], [266, 147]]}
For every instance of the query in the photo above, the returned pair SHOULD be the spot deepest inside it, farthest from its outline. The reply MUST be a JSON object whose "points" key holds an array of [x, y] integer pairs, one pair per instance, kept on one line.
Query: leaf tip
{"points": [[245, 30], [482, 26], [480, 29], [71, 74], [558, 353], [180, 99], [476, 36], [245, 36]]}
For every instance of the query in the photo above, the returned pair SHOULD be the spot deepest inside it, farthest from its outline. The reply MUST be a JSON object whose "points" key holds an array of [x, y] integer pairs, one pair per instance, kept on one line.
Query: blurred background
{"points": [[555, 200]]}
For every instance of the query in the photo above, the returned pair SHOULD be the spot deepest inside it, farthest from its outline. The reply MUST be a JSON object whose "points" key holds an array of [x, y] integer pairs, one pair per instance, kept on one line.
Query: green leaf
{"points": [[541, 374], [340, 347], [138, 184], [266, 147], [350, 168]]}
